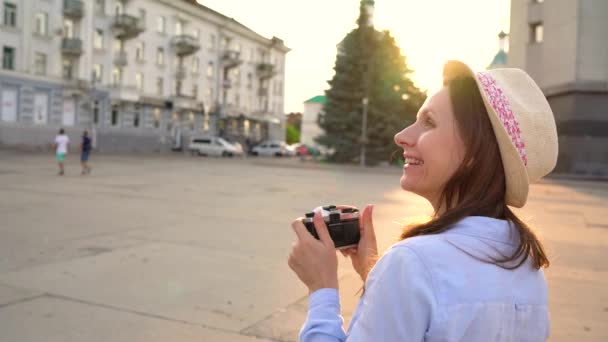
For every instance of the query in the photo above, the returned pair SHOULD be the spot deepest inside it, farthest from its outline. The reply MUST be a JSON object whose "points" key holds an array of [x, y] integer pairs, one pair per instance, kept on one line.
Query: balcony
{"points": [[73, 9], [120, 60], [124, 93], [126, 26], [265, 71], [231, 59], [71, 46], [184, 45]]}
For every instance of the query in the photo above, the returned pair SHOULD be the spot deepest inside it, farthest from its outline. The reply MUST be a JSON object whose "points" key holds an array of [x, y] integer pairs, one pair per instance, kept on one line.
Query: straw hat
{"points": [[523, 124]]}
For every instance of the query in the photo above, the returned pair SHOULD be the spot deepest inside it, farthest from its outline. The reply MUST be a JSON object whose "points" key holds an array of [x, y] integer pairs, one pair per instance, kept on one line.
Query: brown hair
{"points": [[478, 186]]}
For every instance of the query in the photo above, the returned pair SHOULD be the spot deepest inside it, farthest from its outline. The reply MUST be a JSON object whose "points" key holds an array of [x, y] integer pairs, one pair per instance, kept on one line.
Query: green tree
{"points": [[368, 62], [292, 135]]}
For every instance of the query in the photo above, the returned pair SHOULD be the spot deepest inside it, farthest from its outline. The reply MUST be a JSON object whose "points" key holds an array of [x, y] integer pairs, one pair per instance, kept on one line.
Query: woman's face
{"points": [[432, 148]]}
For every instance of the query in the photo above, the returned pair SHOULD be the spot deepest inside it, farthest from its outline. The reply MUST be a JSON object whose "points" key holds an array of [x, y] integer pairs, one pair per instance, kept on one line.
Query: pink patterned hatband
{"points": [[501, 106]]}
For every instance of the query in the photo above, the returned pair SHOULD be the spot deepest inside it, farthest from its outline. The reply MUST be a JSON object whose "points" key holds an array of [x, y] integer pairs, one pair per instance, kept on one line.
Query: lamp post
{"points": [[365, 102], [368, 7]]}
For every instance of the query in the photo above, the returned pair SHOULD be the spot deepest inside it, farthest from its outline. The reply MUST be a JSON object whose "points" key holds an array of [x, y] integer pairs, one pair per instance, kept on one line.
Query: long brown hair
{"points": [[478, 186]]}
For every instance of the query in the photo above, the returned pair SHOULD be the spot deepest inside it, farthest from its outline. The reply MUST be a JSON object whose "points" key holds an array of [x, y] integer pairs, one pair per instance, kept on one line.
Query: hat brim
{"points": [[516, 174]]}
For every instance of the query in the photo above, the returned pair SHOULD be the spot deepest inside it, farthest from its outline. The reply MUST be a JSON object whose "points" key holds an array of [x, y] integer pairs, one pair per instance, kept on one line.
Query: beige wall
{"points": [[310, 129], [593, 44]]}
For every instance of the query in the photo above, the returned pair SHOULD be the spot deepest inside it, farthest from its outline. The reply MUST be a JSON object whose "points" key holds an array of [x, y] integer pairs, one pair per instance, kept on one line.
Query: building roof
{"points": [[317, 99], [499, 59], [274, 40]]}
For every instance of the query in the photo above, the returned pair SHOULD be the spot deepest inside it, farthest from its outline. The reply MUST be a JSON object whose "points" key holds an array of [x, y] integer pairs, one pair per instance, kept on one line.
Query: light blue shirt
{"points": [[436, 288]]}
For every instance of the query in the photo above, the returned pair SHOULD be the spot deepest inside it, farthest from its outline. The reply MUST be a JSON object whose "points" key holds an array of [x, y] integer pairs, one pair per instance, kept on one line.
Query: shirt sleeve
{"points": [[324, 322], [399, 300], [397, 305]]}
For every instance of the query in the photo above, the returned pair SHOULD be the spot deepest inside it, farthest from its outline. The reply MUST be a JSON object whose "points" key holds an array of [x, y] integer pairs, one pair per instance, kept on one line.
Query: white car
{"points": [[213, 146], [271, 148]]}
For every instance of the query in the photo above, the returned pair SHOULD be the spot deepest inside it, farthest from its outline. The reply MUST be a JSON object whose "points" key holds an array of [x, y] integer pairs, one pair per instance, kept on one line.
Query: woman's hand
{"points": [[314, 261], [365, 255]]}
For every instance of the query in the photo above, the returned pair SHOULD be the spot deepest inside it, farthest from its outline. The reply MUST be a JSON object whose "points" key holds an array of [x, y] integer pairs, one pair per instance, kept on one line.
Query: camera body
{"points": [[342, 224]]}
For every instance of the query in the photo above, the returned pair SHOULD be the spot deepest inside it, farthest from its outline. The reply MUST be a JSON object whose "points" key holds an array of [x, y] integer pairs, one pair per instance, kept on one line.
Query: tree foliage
{"points": [[369, 63]]}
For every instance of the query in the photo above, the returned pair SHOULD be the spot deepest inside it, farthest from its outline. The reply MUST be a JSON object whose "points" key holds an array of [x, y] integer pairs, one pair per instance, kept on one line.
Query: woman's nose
{"points": [[405, 137]]}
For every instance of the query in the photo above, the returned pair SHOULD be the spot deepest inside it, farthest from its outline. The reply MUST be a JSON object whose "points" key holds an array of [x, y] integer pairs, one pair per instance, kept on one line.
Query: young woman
{"points": [[474, 271]]}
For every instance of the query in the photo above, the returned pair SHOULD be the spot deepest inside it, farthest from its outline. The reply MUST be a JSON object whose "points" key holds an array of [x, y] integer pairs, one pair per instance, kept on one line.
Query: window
{"points": [[100, 6], [114, 116], [116, 76], [98, 39], [160, 56], [142, 16], [118, 8], [95, 112], [117, 45], [195, 91], [136, 120], [249, 80], [191, 120], [139, 81], [40, 63], [212, 42], [536, 33], [97, 72], [67, 69], [210, 70], [10, 14], [195, 64], [196, 33], [8, 58], [41, 23], [160, 24], [159, 85], [179, 27], [139, 51], [178, 87], [206, 122], [156, 117], [68, 28]]}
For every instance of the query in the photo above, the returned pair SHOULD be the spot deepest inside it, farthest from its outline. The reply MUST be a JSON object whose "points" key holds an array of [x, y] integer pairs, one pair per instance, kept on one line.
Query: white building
{"points": [[310, 128], [562, 44], [139, 72]]}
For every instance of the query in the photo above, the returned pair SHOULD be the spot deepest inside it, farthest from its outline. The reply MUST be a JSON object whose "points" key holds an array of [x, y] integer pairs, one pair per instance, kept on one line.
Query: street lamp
{"points": [[365, 102], [369, 25]]}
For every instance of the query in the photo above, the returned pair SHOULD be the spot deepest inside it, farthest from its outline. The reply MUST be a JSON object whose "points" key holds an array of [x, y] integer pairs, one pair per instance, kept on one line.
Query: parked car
{"points": [[213, 146], [271, 148]]}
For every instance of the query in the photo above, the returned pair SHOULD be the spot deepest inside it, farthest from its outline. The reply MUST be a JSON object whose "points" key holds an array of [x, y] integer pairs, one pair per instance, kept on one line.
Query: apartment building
{"points": [[143, 75], [562, 44]]}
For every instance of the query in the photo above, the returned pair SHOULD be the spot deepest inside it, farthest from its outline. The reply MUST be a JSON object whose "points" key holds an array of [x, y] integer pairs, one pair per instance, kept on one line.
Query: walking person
{"points": [[85, 151], [474, 271], [61, 149]]}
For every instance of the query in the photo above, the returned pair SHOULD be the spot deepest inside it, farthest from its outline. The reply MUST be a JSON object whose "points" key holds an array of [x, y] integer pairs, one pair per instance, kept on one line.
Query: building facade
{"points": [[310, 128], [562, 44], [143, 75]]}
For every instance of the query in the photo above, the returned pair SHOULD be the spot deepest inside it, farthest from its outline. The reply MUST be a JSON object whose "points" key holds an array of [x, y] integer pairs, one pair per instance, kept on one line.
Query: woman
{"points": [[474, 271]]}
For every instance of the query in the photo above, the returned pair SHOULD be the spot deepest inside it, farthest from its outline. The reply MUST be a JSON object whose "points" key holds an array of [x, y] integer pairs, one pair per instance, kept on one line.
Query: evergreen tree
{"points": [[369, 62]]}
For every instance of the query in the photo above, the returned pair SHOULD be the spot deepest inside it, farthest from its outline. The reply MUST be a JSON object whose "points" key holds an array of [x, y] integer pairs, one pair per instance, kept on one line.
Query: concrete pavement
{"points": [[169, 247]]}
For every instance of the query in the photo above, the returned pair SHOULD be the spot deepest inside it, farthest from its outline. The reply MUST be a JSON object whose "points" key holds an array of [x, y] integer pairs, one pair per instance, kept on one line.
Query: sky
{"points": [[429, 32]]}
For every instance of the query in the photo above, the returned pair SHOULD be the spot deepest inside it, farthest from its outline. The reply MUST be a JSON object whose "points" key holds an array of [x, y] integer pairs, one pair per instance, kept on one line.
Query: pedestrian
{"points": [[302, 152], [85, 151], [61, 149], [473, 271]]}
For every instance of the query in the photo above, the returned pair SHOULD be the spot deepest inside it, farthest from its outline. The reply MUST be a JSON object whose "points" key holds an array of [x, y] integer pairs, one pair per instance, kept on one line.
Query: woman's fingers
{"points": [[300, 229], [321, 228]]}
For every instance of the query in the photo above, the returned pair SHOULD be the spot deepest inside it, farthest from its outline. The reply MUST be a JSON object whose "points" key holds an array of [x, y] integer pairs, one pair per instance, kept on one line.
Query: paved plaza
{"points": [[179, 248]]}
